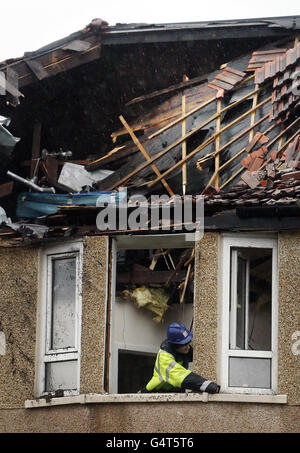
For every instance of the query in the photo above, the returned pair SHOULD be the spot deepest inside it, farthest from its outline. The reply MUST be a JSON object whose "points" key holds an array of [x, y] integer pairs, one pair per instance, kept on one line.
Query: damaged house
{"points": [[151, 174]]}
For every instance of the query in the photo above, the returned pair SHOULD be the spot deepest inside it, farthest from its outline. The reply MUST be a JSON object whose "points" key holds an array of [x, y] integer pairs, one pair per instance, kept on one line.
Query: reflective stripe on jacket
{"points": [[167, 372]]}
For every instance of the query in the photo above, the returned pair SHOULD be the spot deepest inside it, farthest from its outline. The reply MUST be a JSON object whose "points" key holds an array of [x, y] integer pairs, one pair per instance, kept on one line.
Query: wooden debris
{"points": [[35, 153], [143, 275], [180, 263], [178, 86], [6, 189], [145, 154], [183, 153]]}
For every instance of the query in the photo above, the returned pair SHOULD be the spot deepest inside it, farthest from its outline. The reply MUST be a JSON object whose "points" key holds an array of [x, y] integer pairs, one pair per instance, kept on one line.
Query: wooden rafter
{"points": [[208, 141], [145, 154]]}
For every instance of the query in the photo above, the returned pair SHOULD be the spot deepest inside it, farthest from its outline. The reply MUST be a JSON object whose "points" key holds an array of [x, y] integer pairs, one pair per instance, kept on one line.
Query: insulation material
{"points": [[154, 299]]}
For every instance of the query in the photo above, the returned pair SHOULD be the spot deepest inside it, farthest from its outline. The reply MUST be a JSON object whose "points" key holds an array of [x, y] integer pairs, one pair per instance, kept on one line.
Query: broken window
{"points": [[60, 315], [152, 287], [249, 314]]}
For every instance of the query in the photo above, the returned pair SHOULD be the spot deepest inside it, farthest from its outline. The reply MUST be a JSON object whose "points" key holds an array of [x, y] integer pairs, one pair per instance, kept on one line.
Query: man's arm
{"points": [[197, 383]]}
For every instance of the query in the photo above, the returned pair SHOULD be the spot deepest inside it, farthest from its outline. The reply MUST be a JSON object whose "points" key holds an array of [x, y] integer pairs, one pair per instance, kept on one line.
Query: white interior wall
{"points": [[135, 327]]}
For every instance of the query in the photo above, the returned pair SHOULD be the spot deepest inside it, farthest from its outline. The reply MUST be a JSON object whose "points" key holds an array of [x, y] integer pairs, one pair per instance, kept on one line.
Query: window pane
{"points": [[63, 303], [251, 299], [249, 372], [260, 302], [241, 303], [61, 376]]}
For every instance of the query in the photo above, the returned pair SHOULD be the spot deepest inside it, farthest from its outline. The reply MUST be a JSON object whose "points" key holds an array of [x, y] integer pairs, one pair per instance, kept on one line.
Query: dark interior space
{"points": [[135, 369]]}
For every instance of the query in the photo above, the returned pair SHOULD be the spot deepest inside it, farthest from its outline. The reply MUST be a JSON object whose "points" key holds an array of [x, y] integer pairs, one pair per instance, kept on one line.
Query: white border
{"points": [[255, 241]]}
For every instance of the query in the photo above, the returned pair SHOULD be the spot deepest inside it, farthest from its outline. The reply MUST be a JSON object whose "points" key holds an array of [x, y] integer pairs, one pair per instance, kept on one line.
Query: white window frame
{"points": [[247, 241], [136, 242], [45, 354]]}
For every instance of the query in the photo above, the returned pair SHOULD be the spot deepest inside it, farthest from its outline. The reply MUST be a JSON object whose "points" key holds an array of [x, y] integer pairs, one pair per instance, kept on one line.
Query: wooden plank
{"points": [[210, 139], [52, 168], [157, 254], [182, 118], [35, 153], [180, 263], [144, 275], [56, 61], [6, 189], [12, 79], [7, 86], [187, 277], [179, 141], [37, 69], [217, 143], [114, 155], [145, 154], [177, 86], [183, 153]]}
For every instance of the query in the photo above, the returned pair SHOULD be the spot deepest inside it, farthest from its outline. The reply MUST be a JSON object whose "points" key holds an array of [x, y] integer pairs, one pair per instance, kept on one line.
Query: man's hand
{"points": [[213, 388]]}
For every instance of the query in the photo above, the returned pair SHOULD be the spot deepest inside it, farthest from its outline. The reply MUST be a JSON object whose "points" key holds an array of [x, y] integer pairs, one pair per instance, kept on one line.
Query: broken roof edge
{"points": [[284, 21], [95, 27], [163, 32], [111, 33]]}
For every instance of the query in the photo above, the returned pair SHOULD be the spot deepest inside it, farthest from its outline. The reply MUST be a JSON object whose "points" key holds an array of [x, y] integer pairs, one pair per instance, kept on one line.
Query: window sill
{"points": [[156, 398]]}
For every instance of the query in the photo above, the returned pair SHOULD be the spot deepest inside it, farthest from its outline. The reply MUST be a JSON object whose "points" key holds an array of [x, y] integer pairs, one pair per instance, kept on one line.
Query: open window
{"points": [[60, 320], [249, 315], [152, 286]]}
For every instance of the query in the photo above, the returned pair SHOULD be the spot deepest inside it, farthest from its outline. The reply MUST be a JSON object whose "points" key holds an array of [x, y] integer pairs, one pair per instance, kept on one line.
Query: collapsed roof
{"points": [[217, 114]]}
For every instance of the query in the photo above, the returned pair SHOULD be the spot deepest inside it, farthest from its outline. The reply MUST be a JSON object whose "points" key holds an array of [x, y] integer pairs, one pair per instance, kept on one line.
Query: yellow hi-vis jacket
{"points": [[167, 373]]}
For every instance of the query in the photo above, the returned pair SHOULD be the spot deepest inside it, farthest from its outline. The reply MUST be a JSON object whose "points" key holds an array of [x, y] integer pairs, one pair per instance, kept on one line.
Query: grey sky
{"points": [[27, 25]]}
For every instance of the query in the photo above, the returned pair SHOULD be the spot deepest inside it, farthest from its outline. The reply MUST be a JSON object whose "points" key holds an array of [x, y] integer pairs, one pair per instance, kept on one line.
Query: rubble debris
{"points": [[226, 135], [33, 205], [76, 176], [7, 140], [25, 230]]}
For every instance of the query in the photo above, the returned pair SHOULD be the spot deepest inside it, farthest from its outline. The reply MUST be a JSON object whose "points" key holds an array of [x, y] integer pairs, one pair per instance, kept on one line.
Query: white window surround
{"points": [[136, 242], [45, 353], [248, 241]]}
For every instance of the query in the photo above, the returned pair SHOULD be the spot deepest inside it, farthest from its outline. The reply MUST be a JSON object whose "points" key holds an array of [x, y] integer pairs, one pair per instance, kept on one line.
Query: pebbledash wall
{"points": [[94, 411]]}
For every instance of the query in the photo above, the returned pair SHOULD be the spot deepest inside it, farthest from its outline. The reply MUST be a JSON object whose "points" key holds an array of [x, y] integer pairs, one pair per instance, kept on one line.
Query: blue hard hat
{"points": [[177, 333]]}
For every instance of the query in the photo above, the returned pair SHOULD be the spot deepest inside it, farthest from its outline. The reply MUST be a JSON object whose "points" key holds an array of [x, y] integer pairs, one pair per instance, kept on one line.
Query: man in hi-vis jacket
{"points": [[171, 373]]}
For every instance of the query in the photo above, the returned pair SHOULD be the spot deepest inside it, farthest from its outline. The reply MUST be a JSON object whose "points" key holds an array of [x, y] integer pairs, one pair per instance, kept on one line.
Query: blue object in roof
{"points": [[32, 205]]}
